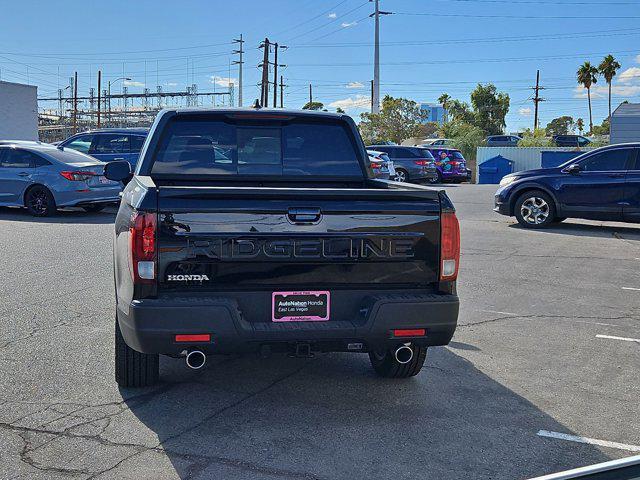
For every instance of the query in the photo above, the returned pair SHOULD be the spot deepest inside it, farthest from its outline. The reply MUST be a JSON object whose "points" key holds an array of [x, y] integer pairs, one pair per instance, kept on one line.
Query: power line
{"points": [[529, 17]]}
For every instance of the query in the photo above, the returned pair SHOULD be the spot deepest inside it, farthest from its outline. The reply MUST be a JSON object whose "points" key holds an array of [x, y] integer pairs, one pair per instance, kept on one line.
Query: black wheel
{"points": [[534, 209], [95, 208], [386, 365], [438, 178], [401, 175], [134, 369], [40, 202]]}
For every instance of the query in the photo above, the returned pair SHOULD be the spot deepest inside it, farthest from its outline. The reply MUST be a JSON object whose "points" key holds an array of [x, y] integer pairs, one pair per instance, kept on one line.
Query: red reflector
{"points": [[200, 337], [415, 332]]}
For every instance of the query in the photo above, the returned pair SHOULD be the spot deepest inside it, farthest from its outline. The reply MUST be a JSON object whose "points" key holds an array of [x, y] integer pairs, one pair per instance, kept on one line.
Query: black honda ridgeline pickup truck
{"points": [[258, 230]]}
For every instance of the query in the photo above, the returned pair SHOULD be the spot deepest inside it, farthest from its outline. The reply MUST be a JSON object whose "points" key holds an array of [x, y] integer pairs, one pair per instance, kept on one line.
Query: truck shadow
{"points": [[75, 215], [331, 417]]}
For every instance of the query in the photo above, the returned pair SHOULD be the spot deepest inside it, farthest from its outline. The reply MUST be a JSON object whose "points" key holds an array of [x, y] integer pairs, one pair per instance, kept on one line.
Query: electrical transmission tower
{"points": [[239, 62]]}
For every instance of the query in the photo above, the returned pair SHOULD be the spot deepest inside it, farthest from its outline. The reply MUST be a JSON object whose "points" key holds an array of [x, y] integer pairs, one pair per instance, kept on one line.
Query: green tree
{"points": [[428, 129], [460, 112], [489, 108], [602, 129], [444, 101], [537, 138], [587, 75], [339, 110], [465, 136], [560, 126], [398, 119], [313, 106], [580, 125], [608, 68]]}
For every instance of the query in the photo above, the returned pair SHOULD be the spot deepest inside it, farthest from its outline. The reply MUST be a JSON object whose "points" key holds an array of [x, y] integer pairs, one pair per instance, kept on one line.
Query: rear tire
{"points": [[385, 365], [93, 208], [134, 369], [438, 178], [40, 202], [402, 175]]}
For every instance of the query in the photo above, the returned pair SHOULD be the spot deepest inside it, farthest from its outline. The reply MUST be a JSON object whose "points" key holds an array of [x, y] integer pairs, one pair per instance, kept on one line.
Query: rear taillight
{"points": [[422, 163], [449, 246], [142, 242], [376, 165], [78, 176]]}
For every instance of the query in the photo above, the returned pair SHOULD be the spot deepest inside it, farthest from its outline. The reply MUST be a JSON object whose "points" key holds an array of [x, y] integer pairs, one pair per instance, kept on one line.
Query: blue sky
{"points": [[428, 47]]}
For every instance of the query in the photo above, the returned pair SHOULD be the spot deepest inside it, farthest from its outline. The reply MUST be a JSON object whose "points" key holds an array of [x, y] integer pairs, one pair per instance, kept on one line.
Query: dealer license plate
{"points": [[303, 306]]}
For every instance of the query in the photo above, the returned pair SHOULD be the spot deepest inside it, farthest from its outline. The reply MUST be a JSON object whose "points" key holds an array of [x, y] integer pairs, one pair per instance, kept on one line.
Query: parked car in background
{"points": [[436, 142], [412, 164], [602, 184], [381, 165], [109, 144], [570, 141], [44, 177], [503, 140], [450, 164]]}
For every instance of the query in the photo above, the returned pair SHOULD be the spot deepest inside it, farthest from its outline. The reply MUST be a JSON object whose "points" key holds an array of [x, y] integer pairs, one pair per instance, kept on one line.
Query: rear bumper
{"points": [[150, 325], [79, 198]]}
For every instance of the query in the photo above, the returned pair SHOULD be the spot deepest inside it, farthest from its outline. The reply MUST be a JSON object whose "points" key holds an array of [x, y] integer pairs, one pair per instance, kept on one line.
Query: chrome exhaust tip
{"points": [[403, 354], [196, 359]]}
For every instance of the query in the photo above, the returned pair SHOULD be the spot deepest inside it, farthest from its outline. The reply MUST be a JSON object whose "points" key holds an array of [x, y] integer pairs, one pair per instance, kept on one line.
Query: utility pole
{"points": [[375, 108], [371, 96], [240, 51], [537, 99], [281, 92], [264, 84], [75, 103], [99, 90], [310, 94], [275, 73]]}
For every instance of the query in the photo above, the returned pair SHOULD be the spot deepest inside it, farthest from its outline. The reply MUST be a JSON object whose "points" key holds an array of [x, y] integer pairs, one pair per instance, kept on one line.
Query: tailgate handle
{"points": [[304, 215]]}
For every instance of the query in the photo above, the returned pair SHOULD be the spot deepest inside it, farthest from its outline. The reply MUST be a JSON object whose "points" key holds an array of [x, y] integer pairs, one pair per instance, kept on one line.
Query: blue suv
{"points": [[109, 144], [602, 184]]}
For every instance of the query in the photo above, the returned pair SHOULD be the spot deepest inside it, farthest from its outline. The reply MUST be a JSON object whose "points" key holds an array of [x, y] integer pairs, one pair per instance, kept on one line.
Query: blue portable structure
{"points": [[492, 170], [552, 159]]}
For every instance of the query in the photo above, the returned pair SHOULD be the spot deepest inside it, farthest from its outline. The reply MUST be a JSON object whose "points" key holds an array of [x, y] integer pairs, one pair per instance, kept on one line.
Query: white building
{"points": [[625, 123], [18, 111]]}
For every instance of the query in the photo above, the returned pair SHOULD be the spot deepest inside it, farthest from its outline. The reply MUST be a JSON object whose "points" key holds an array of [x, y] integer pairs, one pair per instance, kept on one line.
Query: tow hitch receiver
{"points": [[303, 350]]}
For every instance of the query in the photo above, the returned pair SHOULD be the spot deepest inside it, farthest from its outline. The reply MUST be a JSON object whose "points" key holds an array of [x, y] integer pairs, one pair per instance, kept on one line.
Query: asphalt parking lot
{"points": [[532, 353]]}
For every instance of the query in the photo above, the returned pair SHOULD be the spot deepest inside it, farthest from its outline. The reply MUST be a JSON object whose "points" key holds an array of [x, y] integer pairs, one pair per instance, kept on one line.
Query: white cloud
{"points": [[354, 85], [133, 83], [223, 81], [638, 59], [333, 15], [359, 102], [525, 112], [630, 75], [347, 25], [581, 92]]}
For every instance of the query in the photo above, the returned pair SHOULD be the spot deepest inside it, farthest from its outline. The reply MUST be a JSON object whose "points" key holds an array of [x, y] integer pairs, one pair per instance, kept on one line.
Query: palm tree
{"points": [[608, 68], [444, 101], [580, 125], [588, 75]]}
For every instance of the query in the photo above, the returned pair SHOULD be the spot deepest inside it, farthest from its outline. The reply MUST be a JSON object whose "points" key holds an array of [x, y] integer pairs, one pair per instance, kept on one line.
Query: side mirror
{"points": [[573, 169], [119, 171]]}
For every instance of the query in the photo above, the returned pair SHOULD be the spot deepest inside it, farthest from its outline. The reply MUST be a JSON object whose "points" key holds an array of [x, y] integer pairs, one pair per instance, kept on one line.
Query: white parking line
{"points": [[631, 288], [624, 339], [590, 441]]}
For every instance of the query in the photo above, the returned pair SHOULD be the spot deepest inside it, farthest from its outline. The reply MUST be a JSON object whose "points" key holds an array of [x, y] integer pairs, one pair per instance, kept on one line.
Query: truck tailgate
{"points": [[261, 239]]}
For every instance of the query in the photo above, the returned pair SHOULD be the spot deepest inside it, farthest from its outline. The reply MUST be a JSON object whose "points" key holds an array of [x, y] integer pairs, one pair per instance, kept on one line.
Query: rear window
{"points": [[448, 154], [421, 153], [205, 146], [68, 155]]}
